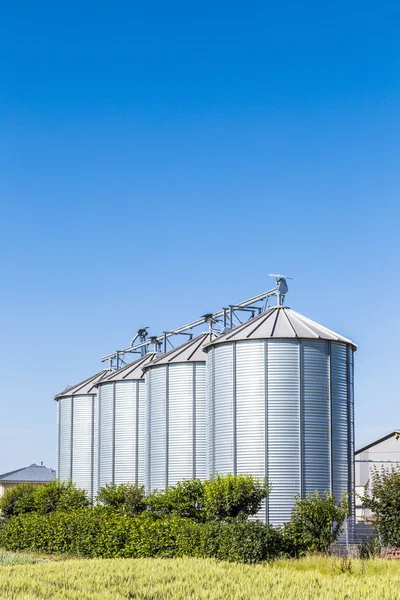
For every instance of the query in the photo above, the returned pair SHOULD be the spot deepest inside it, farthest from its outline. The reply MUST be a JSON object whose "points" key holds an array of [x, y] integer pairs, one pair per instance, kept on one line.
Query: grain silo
{"points": [[176, 415], [77, 433], [280, 404], [121, 427]]}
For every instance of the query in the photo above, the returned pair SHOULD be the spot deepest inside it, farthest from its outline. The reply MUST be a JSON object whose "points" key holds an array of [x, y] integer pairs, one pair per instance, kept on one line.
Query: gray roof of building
{"points": [[84, 387], [191, 351], [33, 473], [395, 432], [280, 322], [133, 371]]}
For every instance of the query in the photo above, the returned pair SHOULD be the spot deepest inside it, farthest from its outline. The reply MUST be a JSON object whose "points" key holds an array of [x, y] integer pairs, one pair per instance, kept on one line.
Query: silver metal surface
{"points": [[82, 442], [76, 440], [176, 415], [315, 417]]}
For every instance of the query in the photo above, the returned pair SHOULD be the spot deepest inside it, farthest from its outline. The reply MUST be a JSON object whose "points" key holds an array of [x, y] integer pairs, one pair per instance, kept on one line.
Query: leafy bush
{"points": [[232, 496], [18, 500], [105, 533], [237, 540], [59, 495], [382, 497], [185, 499], [127, 498], [43, 498], [316, 522]]}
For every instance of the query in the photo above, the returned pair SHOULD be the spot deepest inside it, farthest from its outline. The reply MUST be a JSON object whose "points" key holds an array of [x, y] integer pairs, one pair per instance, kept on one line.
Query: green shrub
{"points": [[237, 540], [127, 498], [58, 495], [105, 533], [185, 499], [231, 496], [316, 522], [18, 500]]}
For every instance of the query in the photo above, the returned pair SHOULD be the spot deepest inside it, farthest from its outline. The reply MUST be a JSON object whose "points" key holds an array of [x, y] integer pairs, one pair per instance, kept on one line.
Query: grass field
{"points": [[185, 579]]}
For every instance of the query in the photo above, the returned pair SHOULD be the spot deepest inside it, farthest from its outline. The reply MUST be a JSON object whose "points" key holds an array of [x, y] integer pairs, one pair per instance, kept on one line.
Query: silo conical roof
{"points": [[133, 371], [191, 351], [84, 387], [280, 322]]}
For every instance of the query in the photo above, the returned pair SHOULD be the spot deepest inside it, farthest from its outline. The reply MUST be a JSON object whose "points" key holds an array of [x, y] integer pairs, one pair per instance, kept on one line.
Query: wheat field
{"points": [[184, 579]]}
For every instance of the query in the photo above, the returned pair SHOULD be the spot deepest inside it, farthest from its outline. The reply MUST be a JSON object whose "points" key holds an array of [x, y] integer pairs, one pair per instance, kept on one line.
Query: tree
{"points": [[233, 496], [382, 497], [185, 499], [127, 498], [18, 500], [317, 521]]}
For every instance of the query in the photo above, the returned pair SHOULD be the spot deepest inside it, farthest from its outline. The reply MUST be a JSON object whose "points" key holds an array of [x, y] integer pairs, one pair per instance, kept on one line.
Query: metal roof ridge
{"points": [[80, 385], [336, 335], [267, 314], [174, 352], [201, 341], [135, 364], [290, 323]]}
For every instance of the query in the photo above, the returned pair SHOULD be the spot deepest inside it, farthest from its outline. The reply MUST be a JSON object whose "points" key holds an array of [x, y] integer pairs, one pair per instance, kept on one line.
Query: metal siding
{"points": [[141, 424], [157, 427], [250, 410], [95, 444], [223, 409], [65, 453], [180, 422], [105, 451], [351, 431], [200, 421], [315, 425], [210, 401], [125, 432], [283, 421], [340, 440], [82, 442]]}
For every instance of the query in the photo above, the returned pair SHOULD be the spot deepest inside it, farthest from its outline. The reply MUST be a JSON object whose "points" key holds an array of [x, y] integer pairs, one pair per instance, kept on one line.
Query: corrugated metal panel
{"points": [[180, 422], [125, 432], [82, 443], [223, 409], [65, 440], [315, 423], [283, 419], [106, 428], [200, 422], [95, 444], [210, 401], [157, 423], [350, 359], [141, 425], [339, 400], [250, 410]]}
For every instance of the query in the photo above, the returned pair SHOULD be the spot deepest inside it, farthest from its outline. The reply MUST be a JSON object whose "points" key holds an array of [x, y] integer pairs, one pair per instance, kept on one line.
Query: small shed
{"points": [[36, 474]]}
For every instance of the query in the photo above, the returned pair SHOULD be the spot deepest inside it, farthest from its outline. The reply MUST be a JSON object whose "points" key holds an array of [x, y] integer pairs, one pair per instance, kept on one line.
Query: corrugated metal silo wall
{"points": [[76, 443], [176, 424], [121, 432], [282, 408]]}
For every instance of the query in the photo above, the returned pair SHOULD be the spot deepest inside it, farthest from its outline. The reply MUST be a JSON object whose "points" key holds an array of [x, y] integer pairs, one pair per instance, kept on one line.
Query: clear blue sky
{"points": [[158, 159]]}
